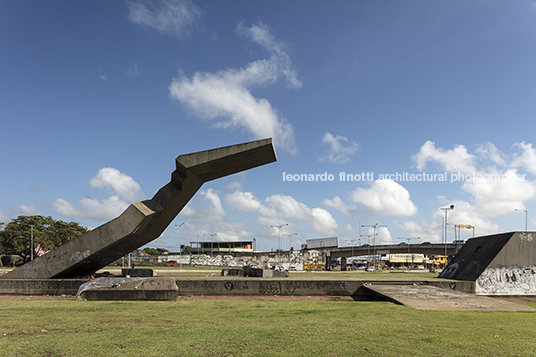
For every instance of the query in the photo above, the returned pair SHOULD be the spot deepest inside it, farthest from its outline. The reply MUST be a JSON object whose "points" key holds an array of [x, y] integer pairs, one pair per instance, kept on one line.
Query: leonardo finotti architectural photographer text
{"points": [[402, 177]]}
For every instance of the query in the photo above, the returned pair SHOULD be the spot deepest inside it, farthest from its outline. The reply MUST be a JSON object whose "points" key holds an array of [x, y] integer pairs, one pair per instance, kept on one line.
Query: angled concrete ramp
{"points": [[145, 221], [499, 264], [427, 297]]}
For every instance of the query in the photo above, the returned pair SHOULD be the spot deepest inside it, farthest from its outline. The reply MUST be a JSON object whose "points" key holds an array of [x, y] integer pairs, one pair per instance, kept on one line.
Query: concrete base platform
{"points": [[427, 297], [159, 289], [418, 293], [40, 286]]}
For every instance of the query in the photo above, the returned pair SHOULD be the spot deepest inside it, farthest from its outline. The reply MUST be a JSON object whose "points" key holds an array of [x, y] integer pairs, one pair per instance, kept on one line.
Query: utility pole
{"points": [[279, 243], [374, 238]]}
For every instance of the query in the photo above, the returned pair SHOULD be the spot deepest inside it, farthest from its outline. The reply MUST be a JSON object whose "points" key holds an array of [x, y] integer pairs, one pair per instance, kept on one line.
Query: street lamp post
{"points": [[374, 238], [409, 252], [31, 241], [180, 246], [279, 243], [442, 228], [526, 216], [212, 247], [446, 210], [368, 245], [289, 246], [352, 241]]}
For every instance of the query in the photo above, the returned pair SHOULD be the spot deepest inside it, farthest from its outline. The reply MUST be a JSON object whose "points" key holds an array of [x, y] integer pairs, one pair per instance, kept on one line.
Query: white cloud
{"points": [[283, 207], [244, 202], [527, 157], [467, 214], [133, 71], [490, 151], [318, 218], [26, 210], [340, 148], [227, 93], [92, 208], [383, 236], [123, 185], [262, 35], [212, 210], [339, 205], [235, 186], [385, 197], [172, 17], [455, 160], [427, 232], [495, 197]]}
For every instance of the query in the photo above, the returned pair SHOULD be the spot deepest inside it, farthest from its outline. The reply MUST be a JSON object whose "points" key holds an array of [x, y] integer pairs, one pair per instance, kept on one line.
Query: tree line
{"points": [[48, 233]]}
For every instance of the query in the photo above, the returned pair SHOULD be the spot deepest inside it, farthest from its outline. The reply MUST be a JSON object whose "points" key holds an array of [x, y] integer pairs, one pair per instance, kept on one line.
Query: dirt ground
{"points": [[190, 298], [514, 299]]}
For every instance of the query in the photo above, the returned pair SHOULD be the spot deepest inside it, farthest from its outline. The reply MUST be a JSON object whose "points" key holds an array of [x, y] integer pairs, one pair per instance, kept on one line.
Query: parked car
{"points": [[370, 269], [172, 262]]}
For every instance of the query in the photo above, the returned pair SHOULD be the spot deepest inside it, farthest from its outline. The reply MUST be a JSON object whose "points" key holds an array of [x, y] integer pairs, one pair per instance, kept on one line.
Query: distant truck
{"points": [[331, 242]]}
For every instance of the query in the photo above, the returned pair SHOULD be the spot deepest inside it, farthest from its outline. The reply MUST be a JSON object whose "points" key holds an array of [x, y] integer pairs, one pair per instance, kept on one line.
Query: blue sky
{"points": [[98, 98]]}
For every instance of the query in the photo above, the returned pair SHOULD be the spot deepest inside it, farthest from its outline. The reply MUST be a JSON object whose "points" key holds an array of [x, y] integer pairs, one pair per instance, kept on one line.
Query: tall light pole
{"points": [[409, 252], [289, 246], [31, 241], [446, 210], [180, 246], [526, 216], [279, 244], [212, 247], [352, 241], [368, 245], [374, 238], [442, 228]]}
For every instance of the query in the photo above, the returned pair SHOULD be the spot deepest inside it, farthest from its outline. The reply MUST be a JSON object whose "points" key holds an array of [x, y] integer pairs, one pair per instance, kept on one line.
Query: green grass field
{"points": [[257, 328]]}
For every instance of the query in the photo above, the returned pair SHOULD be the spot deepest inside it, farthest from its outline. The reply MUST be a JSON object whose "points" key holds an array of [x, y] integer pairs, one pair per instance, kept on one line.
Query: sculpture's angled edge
{"points": [[145, 221]]}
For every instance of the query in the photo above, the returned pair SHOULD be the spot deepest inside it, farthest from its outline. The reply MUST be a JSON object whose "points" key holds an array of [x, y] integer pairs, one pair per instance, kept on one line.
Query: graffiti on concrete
{"points": [[235, 285], [298, 287], [526, 237], [78, 256], [507, 281], [194, 285], [450, 271]]}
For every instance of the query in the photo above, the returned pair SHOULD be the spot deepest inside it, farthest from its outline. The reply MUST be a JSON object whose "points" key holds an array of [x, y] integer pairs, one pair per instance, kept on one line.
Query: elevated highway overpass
{"points": [[422, 248]]}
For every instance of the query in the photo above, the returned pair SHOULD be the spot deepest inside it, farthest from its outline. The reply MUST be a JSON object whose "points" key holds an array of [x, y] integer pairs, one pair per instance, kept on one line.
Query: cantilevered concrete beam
{"points": [[145, 221]]}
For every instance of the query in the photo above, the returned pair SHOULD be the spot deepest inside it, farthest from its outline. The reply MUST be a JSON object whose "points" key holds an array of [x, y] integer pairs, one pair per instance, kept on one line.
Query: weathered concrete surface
{"points": [[137, 272], [159, 289], [266, 286], [501, 264], [475, 256], [40, 286], [145, 221], [419, 293], [314, 286], [427, 297]]}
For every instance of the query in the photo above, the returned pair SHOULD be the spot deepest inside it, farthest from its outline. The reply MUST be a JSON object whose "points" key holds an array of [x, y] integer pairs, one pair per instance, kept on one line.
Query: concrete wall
{"points": [[40, 286], [266, 286], [297, 259], [513, 270], [507, 281]]}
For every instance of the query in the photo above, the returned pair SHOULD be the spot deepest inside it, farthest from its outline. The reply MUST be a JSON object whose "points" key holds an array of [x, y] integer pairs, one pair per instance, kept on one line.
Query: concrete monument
{"points": [[145, 221]]}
